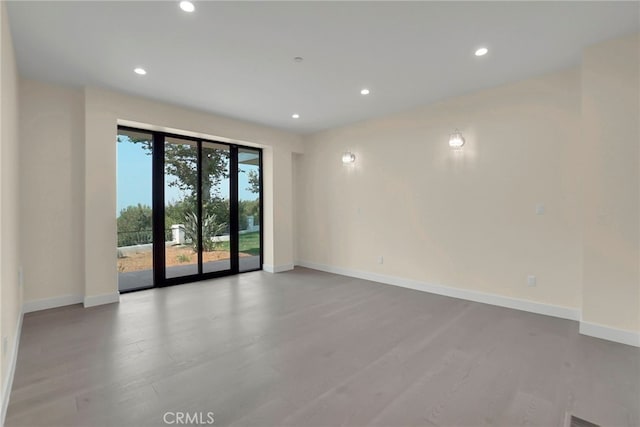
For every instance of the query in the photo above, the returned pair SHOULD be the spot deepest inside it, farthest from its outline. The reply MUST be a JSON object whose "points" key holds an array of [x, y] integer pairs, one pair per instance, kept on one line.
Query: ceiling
{"points": [[236, 58]]}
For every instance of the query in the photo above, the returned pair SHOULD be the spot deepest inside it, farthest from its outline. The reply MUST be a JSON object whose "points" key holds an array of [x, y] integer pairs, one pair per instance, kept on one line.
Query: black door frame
{"points": [[158, 209]]}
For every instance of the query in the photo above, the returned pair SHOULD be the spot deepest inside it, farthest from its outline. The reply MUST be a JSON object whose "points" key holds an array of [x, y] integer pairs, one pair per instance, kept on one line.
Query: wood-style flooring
{"points": [[307, 348]]}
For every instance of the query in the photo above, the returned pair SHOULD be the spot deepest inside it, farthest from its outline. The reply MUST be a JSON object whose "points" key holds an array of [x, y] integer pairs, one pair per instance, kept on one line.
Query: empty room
{"points": [[319, 213]]}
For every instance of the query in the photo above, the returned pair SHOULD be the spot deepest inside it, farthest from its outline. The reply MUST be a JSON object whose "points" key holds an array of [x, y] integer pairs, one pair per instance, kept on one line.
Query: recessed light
{"points": [[187, 6], [298, 59], [364, 92], [482, 51], [140, 71], [295, 116]]}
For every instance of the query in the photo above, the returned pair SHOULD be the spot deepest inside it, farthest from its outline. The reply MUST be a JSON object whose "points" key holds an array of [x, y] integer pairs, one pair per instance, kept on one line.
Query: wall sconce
{"points": [[456, 140], [348, 157]]}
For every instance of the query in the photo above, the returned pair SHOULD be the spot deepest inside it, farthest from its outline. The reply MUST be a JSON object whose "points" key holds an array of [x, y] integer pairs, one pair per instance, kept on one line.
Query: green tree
{"points": [[254, 181], [134, 225], [247, 208], [181, 171], [181, 165]]}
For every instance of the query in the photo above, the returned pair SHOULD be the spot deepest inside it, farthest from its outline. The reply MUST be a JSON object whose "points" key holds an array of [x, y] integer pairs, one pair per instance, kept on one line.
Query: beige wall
{"points": [[52, 189], [10, 292], [467, 219], [68, 182], [103, 109], [463, 219], [610, 150]]}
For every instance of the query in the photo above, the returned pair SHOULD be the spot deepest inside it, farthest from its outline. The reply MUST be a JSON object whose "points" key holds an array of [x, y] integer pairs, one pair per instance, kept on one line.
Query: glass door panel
{"points": [[188, 209], [216, 193], [249, 190], [134, 214], [181, 213]]}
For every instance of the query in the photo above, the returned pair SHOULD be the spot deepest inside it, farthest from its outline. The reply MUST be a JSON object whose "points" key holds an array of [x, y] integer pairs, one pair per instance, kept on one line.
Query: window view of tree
{"points": [[249, 208], [134, 215], [182, 225], [134, 225]]}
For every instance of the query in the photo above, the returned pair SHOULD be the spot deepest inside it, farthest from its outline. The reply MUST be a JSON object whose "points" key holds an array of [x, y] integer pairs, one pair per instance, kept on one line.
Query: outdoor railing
{"points": [[139, 237]]}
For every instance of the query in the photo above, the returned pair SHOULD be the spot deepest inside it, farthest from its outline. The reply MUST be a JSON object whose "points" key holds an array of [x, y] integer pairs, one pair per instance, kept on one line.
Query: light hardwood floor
{"points": [[307, 348]]}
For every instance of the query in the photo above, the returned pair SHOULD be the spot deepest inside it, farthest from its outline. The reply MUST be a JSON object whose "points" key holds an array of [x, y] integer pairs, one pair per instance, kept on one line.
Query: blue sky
{"points": [[134, 179]]}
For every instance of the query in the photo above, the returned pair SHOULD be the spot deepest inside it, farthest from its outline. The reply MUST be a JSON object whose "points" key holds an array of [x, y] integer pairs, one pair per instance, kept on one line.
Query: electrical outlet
{"points": [[531, 280], [540, 209], [380, 259]]}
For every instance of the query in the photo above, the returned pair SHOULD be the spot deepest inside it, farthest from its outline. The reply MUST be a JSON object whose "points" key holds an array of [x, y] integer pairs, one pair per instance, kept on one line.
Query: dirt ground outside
{"points": [[175, 255]]}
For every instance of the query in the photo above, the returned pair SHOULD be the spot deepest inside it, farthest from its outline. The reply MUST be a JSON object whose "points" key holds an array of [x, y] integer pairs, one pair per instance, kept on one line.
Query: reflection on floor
{"points": [[144, 278]]}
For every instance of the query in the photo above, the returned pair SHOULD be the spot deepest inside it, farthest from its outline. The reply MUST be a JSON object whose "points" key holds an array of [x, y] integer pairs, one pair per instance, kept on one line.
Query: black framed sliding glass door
{"points": [[205, 218], [216, 208], [134, 209], [249, 209]]}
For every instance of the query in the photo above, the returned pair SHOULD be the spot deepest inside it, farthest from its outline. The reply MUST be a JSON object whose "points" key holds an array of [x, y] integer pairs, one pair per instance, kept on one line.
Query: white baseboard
{"points": [[46, 303], [93, 300], [476, 296], [11, 369], [277, 268], [622, 336]]}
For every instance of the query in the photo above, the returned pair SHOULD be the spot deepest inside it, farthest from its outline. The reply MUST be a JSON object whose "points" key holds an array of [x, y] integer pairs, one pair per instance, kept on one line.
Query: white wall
{"points": [[610, 151], [467, 219], [10, 292], [464, 219], [103, 111], [69, 184], [52, 189]]}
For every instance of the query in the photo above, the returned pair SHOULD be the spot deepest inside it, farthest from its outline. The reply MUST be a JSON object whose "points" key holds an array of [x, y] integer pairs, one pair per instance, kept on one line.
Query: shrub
{"points": [[210, 229]]}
